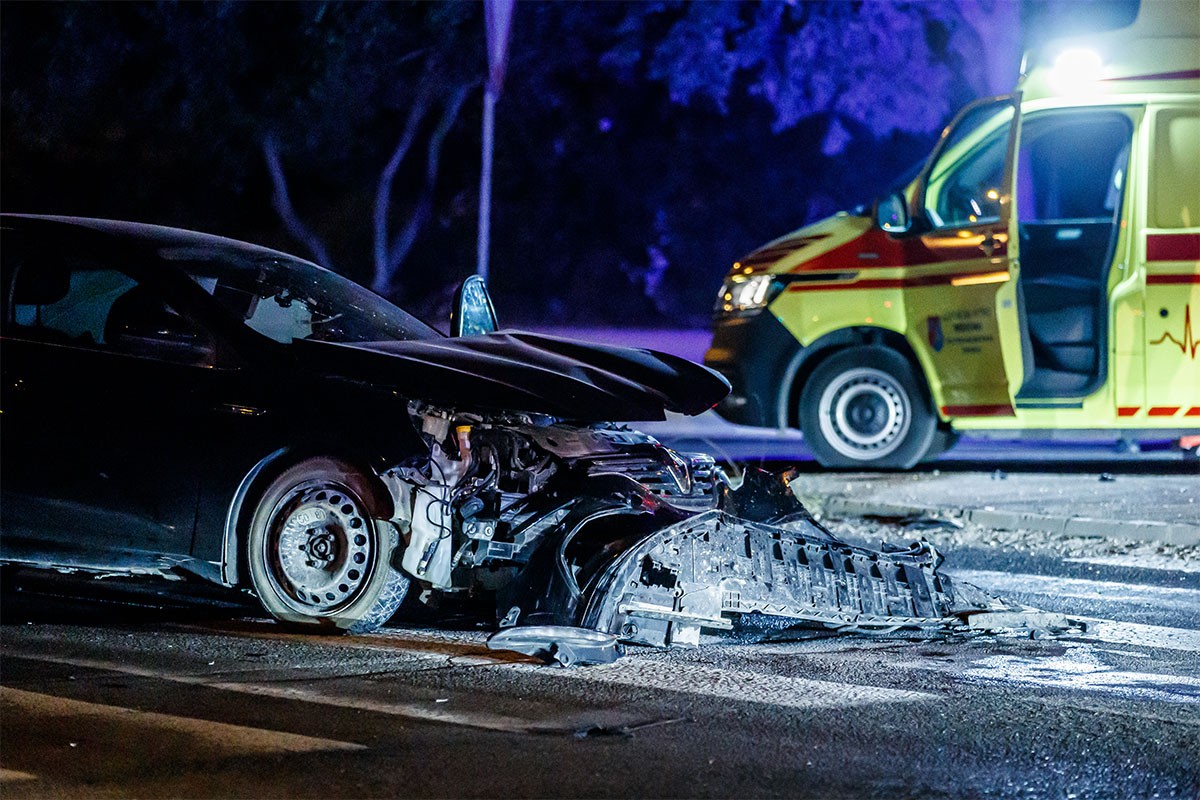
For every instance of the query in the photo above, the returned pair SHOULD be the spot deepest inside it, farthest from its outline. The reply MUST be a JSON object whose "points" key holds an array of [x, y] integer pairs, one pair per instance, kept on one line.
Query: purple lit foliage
{"points": [[883, 66]]}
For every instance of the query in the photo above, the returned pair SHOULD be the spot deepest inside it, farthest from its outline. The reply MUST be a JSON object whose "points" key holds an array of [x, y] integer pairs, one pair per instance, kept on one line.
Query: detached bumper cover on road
{"points": [[706, 571], [718, 571]]}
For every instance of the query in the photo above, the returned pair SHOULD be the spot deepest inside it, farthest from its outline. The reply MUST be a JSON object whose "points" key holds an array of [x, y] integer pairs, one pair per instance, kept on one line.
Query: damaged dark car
{"points": [[175, 402]]}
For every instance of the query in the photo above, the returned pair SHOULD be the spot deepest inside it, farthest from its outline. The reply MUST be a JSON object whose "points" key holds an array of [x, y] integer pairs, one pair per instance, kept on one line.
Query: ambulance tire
{"points": [[943, 440], [867, 407]]}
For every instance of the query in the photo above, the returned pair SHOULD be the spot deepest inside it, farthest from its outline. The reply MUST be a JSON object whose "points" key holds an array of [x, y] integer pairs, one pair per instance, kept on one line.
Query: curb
{"points": [[1136, 530]]}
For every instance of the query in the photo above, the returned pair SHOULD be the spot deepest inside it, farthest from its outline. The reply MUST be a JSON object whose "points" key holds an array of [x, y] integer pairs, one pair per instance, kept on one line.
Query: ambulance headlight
{"points": [[745, 294]]}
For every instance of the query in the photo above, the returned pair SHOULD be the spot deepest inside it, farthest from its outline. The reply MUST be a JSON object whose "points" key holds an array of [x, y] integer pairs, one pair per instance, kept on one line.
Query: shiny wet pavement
{"points": [[112, 691]]}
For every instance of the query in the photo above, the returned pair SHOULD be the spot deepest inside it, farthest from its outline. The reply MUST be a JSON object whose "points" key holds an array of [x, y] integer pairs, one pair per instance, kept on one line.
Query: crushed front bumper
{"points": [[707, 572]]}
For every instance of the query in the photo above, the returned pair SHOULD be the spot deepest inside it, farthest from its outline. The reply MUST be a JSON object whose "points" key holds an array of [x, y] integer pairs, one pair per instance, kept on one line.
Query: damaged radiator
{"points": [[714, 570]]}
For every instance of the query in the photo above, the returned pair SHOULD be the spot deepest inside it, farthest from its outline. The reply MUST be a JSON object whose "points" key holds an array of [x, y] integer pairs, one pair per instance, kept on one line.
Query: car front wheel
{"points": [[318, 559], [865, 407]]}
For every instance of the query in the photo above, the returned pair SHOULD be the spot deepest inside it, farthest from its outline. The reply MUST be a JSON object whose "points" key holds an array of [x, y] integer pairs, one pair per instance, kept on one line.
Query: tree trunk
{"points": [[382, 278], [281, 201], [397, 249]]}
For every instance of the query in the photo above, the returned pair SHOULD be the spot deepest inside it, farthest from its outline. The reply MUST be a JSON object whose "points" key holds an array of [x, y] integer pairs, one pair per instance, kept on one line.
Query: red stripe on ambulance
{"points": [[1173, 247]]}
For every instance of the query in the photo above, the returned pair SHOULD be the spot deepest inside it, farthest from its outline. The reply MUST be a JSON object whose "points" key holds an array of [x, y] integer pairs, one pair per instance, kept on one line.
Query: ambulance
{"points": [[1039, 276]]}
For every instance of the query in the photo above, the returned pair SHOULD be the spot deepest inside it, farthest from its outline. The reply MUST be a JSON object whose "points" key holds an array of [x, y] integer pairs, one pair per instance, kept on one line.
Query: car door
{"points": [[103, 384], [962, 299]]}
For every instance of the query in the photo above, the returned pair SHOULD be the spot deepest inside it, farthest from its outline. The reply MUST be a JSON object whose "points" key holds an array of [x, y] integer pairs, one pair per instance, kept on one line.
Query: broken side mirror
{"points": [[891, 214], [473, 312]]}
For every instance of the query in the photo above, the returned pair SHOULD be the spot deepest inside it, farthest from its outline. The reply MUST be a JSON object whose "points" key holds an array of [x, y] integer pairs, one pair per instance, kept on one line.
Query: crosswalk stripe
{"points": [[1105, 630], [729, 684], [221, 735], [12, 775], [411, 710], [651, 672], [691, 679], [1136, 633], [1138, 562], [1083, 671], [418, 648], [1171, 597]]}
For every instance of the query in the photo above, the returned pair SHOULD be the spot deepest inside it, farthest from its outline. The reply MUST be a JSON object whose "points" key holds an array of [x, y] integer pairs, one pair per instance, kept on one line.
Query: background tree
{"points": [[645, 146]]}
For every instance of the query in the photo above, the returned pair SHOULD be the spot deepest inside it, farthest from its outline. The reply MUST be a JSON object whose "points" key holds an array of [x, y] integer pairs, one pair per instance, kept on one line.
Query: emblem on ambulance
{"points": [[933, 326]]}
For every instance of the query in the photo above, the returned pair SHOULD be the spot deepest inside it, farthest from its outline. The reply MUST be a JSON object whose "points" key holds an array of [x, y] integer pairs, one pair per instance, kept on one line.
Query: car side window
{"points": [[99, 308]]}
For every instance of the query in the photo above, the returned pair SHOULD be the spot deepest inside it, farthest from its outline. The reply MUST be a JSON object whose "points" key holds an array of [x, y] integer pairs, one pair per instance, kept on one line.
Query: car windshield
{"points": [[286, 299]]}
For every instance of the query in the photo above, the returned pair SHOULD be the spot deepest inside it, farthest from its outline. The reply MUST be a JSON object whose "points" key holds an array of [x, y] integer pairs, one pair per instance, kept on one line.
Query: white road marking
{"points": [[220, 735], [429, 713], [12, 775], [728, 684], [1168, 597], [1139, 562], [471, 719], [1136, 633], [1100, 629], [419, 648], [1079, 669], [695, 679]]}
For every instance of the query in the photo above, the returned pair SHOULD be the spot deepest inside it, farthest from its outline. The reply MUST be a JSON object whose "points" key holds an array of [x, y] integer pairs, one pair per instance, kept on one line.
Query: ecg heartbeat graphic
{"points": [[1189, 339]]}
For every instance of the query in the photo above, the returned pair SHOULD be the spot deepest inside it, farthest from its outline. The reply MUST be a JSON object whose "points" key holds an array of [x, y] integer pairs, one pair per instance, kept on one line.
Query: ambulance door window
{"points": [[965, 184]]}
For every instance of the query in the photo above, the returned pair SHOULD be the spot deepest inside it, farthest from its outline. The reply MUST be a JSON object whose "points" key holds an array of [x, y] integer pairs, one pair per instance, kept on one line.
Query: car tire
{"points": [[319, 559], [866, 407]]}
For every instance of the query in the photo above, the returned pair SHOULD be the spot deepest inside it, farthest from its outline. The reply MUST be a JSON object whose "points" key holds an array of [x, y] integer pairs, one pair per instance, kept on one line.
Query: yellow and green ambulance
{"points": [[1041, 273]]}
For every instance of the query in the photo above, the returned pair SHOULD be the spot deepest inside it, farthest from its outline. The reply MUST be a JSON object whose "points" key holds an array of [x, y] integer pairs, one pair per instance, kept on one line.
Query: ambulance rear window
{"points": [[1175, 170]]}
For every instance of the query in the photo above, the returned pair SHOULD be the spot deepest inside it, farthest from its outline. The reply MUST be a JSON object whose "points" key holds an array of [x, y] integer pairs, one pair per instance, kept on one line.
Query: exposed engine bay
{"points": [[604, 528]]}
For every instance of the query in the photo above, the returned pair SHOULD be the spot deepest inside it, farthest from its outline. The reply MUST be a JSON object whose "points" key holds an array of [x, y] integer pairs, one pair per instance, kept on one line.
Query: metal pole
{"points": [[485, 182]]}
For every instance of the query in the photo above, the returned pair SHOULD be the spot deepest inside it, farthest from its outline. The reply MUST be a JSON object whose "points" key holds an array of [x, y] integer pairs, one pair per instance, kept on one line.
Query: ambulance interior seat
{"points": [[1069, 188]]}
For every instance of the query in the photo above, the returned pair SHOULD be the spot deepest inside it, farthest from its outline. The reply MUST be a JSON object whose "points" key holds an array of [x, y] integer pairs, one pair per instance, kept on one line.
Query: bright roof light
{"points": [[1076, 70]]}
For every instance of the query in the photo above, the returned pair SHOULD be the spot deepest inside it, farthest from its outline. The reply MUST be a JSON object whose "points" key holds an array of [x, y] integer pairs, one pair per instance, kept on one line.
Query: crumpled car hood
{"points": [[528, 372]]}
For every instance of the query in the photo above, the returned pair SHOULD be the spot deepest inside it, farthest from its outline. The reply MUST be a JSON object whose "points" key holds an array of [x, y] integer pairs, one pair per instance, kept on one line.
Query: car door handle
{"points": [[988, 245]]}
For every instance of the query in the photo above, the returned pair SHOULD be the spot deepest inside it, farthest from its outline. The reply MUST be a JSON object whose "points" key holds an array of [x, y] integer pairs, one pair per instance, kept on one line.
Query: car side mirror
{"points": [[891, 214], [473, 312]]}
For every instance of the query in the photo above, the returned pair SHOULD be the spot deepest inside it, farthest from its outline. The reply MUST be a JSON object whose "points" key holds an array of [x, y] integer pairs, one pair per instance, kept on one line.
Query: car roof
{"points": [[158, 234]]}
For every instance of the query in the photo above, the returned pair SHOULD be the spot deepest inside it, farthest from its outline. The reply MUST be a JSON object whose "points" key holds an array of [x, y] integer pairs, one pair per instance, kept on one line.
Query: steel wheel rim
{"points": [[865, 414], [319, 549]]}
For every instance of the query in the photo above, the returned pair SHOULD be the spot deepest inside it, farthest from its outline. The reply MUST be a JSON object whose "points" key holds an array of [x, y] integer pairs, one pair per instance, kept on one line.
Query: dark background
{"points": [[640, 147]]}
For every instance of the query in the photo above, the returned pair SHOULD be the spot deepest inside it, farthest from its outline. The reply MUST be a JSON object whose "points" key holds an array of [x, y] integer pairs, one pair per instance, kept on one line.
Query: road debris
{"points": [[563, 644]]}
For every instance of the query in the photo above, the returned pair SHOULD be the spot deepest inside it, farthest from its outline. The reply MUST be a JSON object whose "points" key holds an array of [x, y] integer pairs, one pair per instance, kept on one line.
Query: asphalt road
{"points": [[114, 689]]}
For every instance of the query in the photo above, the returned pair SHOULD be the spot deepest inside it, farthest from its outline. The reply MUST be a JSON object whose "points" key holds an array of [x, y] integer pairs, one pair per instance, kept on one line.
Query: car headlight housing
{"points": [[745, 294]]}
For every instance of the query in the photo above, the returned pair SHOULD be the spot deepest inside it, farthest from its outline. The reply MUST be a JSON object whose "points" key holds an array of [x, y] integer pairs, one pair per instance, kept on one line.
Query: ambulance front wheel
{"points": [[867, 407]]}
